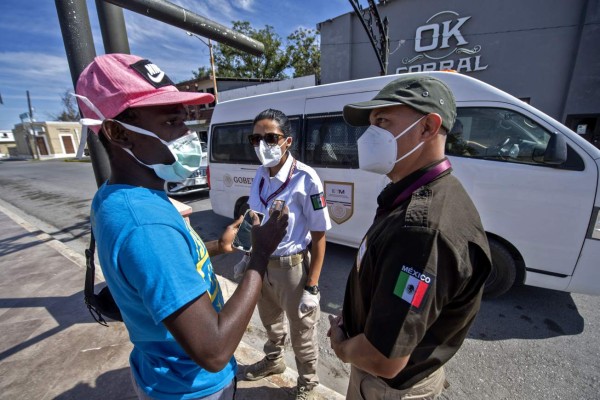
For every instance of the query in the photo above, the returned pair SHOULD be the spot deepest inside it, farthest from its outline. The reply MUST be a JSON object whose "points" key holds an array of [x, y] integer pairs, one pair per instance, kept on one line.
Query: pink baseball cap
{"points": [[114, 82]]}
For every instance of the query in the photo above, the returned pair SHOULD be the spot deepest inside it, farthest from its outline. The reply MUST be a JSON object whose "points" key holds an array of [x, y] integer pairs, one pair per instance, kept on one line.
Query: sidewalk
{"points": [[50, 346]]}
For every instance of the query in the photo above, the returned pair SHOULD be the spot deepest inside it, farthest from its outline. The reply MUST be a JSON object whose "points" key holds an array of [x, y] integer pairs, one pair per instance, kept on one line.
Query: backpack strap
{"points": [[90, 277]]}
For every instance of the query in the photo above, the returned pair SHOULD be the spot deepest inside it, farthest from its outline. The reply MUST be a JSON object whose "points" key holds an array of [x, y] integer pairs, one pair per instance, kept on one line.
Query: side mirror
{"points": [[555, 153]]}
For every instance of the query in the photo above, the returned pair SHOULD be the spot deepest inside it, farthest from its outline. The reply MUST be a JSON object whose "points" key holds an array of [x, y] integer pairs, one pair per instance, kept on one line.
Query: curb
{"points": [[57, 245]]}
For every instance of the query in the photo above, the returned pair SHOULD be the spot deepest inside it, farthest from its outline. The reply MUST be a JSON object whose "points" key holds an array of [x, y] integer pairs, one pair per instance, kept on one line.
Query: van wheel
{"points": [[240, 207], [503, 273]]}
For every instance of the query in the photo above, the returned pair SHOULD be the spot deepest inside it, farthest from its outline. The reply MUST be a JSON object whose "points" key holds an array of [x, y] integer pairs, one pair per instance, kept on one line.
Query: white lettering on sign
{"points": [[435, 33], [469, 64], [447, 33], [443, 31]]}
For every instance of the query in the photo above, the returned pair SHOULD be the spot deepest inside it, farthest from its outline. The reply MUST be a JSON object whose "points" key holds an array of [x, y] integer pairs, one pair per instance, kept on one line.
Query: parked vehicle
{"points": [[196, 183], [533, 180]]}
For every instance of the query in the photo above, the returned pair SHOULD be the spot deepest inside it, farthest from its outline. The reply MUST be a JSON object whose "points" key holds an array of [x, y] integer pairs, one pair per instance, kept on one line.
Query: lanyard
{"points": [[426, 178], [283, 186]]}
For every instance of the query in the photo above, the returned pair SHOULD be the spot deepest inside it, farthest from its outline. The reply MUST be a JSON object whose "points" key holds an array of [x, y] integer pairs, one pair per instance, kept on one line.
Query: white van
{"points": [[533, 180]]}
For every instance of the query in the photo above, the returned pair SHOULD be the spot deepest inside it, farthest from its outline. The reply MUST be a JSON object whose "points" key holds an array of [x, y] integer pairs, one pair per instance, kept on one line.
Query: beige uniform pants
{"points": [[281, 292], [364, 386]]}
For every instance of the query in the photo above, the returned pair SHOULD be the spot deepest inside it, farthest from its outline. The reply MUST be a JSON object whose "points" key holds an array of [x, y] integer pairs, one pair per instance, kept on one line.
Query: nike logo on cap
{"points": [[151, 73], [154, 73]]}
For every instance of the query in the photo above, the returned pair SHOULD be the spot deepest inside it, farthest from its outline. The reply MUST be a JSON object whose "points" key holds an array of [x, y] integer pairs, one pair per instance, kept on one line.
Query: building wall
{"points": [[55, 132], [583, 95], [7, 143], [50, 133], [23, 147], [542, 50], [5, 149]]}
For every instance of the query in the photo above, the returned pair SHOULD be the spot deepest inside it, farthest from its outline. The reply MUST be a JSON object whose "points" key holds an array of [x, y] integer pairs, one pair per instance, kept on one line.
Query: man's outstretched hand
{"points": [[265, 238]]}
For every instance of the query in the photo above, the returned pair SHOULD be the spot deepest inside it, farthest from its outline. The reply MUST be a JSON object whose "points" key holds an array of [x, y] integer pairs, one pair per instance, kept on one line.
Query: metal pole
{"points": [[112, 26], [31, 131], [383, 35], [180, 17], [212, 66], [79, 46], [212, 62], [27, 138], [357, 11]]}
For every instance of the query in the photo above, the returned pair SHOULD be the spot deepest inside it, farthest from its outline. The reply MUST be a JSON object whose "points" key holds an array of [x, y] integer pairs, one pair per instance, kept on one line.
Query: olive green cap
{"points": [[423, 93]]}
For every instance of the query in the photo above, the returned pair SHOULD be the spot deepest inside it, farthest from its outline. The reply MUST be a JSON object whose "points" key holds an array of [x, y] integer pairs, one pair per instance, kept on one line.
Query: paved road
{"points": [[532, 343]]}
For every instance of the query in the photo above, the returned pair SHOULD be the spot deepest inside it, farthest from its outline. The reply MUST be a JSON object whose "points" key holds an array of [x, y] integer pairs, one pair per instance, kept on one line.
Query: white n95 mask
{"points": [[377, 149], [269, 156], [186, 150]]}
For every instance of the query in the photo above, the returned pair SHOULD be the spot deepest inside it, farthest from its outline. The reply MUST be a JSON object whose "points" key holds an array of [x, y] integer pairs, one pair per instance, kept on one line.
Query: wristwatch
{"points": [[312, 289]]}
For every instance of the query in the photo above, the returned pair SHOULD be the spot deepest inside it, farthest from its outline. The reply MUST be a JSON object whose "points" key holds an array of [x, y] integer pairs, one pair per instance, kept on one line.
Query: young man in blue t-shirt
{"points": [[158, 269]]}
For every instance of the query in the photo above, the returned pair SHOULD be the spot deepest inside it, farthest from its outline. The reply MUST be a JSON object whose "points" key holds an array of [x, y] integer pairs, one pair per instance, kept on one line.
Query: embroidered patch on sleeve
{"points": [[318, 201], [413, 286]]}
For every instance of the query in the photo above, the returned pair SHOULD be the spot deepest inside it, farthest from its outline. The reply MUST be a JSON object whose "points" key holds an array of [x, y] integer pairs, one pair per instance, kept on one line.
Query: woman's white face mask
{"points": [[377, 149], [186, 150], [269, 156]]}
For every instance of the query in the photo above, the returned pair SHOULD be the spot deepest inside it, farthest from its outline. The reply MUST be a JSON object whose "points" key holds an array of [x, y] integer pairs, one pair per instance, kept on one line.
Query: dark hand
{"points": [[336, 333], [266, 238], [226, 239]]}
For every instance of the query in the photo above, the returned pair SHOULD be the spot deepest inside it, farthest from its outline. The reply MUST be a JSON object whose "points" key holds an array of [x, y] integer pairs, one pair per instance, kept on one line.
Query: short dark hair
{"points": [[277, 116]]}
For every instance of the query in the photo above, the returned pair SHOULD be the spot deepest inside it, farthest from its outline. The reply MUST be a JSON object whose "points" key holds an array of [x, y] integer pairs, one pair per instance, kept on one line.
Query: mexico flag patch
{"points": [[412, 286], [318, 201]]}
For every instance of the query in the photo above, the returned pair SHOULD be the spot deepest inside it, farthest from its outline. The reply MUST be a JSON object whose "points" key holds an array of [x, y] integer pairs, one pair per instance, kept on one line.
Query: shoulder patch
{"points": [[413, 286], [318, 201]]}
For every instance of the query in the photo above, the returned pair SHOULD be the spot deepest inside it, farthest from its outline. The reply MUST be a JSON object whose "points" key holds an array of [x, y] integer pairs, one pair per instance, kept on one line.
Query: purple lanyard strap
{"points": [[283, 186], [427, 177]]}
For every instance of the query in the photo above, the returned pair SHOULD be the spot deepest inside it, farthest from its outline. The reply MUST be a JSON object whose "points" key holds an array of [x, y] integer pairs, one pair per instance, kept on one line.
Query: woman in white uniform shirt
{"points": [[291, 282]]}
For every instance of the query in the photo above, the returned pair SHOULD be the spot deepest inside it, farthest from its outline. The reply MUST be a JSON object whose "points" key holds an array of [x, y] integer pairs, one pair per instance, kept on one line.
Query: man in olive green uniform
{"points": [[417, 281]]}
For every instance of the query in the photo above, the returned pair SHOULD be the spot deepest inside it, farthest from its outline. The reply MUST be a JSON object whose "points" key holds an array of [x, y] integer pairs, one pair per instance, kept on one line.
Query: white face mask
{"points": [[186, 150], [377, 149], [269, 156]]}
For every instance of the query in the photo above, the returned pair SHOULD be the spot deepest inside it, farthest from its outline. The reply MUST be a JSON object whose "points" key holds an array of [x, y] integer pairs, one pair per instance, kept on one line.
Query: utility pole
{"points": [[31, 131], [27, 139], [212, 62], [366, 17]]}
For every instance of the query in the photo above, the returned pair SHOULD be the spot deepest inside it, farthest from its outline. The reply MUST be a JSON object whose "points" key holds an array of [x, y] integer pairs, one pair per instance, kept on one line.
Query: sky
{"points": [[33, 58]]}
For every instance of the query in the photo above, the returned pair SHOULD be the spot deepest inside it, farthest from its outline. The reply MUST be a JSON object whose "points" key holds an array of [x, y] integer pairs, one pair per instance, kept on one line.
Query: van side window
{"points": [[497, 134], [330, 142], [229, 143]]}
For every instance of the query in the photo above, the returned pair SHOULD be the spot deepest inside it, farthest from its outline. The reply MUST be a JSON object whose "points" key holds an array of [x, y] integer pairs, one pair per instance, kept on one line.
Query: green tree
{"points": [[304, 53], [70, 111], [301, 54], [233, 63], [202, 72]]}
